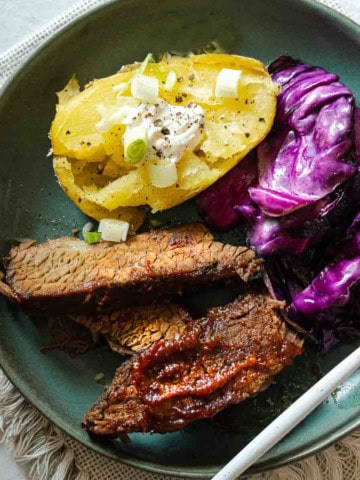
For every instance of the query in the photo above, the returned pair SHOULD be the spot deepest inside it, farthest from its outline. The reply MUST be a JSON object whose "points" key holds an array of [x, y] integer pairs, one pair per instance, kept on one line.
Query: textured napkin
{"points": [[50, 453]]}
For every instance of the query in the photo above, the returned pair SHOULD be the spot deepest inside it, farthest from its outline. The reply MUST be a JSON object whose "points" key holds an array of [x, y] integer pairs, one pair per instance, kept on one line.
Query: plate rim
{"points": [[130, 460]]}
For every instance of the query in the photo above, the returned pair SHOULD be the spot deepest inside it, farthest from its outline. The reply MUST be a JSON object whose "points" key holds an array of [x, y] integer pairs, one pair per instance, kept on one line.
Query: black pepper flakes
{"points": [[165, 131], [247, 134], [191, 77], [261, 119], [178, 99], [67, 132], [246, 101], [184, 94], [180, 79], [88, 144]]}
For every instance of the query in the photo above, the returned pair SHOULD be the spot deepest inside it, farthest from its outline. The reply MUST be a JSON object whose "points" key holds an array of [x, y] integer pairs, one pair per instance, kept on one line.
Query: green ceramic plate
{"points": [[33, 206]]}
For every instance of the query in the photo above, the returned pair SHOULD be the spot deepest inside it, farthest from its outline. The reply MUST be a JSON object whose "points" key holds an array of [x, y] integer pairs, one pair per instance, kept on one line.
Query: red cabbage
{"points": [[304, 201], [297, 231], [332, 287], [217, 202], [309, 151], [287, 276]]}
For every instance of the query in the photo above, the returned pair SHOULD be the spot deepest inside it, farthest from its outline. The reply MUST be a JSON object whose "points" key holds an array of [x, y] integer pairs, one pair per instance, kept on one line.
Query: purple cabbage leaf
{"points": [[287, 276], [217, 202], [308, 226], [310, 150], [332, 287]]}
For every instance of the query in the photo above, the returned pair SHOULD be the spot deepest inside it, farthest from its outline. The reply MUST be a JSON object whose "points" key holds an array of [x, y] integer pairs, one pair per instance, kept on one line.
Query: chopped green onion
{"points": [[142, 68], [213, 47], [136, 151], [135, 144], [98, 377], [145, 88], [113, 230], [87, 227], [227, 83], [92, 237], [162, 173], [121, 87], [158, 73]]}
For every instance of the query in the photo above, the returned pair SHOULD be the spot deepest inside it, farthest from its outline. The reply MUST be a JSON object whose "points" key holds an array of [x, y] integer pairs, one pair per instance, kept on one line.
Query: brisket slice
{"points": [[220, 360], [67, 275], [134, 329]]}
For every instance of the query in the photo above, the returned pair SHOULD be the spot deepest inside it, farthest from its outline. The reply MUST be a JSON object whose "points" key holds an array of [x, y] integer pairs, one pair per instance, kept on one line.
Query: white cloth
{"points": [[340, 462]]}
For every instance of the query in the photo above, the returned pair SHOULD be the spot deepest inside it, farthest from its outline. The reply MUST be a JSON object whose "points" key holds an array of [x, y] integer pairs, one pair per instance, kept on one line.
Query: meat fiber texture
{"points": [[134, 329], [67, 275], [228, 356]]}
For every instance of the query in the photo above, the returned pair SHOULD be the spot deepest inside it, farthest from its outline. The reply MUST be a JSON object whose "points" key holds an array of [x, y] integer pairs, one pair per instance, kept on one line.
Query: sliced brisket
{"points": [[134, 329], [67, 275], [220, 360]]}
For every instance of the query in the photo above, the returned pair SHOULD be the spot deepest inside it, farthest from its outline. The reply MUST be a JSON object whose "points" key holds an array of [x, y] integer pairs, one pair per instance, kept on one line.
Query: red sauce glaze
{"points": [[189, 366]]}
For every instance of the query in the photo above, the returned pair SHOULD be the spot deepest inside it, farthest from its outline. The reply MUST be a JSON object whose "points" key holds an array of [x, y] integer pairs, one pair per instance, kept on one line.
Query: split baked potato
{"points": [[90, 165]]}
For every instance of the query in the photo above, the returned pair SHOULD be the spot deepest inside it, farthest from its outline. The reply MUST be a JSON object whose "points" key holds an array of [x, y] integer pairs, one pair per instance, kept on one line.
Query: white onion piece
{"points": [[118, 117], [111, 116], [145, 88], [227, 83], [113, 230], [170, 80], [162, 173]]}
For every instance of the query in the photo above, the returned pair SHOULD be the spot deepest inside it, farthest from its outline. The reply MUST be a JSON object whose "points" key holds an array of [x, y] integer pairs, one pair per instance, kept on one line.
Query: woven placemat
{"points": [[49, 453]]}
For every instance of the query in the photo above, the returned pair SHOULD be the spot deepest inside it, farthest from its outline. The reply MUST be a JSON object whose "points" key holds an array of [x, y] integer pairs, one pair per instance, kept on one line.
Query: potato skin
{"points": [[233, 127]]}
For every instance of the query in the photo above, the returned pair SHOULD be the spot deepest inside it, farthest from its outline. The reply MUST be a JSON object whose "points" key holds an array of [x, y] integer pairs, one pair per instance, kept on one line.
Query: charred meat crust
{"points": [[67, 275], [228, 356]]}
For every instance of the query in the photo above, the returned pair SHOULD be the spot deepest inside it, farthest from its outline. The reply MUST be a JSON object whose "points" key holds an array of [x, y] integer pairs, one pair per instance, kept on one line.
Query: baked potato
{"points": [[90, 164]]}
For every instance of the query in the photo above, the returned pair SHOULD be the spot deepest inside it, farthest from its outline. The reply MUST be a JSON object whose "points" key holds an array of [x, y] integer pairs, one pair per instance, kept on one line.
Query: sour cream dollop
{"points": [[170, 129]]}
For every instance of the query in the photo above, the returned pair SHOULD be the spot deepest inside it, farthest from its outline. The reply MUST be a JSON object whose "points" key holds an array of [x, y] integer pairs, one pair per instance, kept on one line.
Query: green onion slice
{"points": [[142, 68], [92, 237], [136, 151], [135, 144], [157, 72]]}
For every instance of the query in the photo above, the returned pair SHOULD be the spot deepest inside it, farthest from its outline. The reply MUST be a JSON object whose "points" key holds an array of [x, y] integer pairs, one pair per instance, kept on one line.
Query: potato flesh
{"points": [[233, 127], [72, 179]]}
